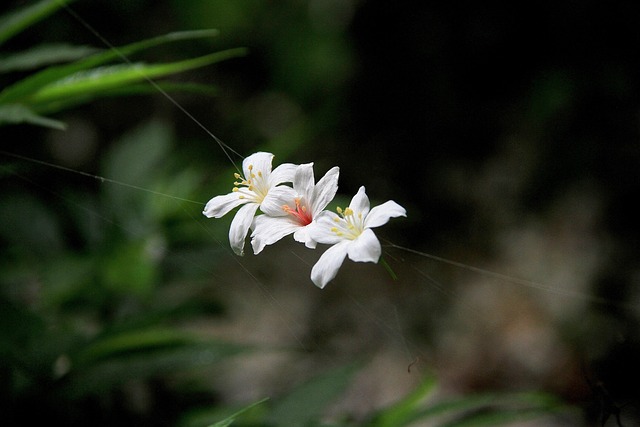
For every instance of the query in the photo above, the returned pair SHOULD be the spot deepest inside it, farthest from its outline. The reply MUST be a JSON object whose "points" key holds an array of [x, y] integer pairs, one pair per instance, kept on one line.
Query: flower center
{"points": [[348, 225], [252, 187], [301, 214]]}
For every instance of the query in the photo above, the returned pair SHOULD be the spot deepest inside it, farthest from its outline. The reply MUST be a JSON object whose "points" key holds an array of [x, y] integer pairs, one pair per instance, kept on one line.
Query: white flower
{"points": [[293, 210], [350, 234], [251, 190]]}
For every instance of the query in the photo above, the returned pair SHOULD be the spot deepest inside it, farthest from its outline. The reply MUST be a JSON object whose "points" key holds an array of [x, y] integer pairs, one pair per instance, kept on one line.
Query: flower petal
{"points": [[221, 205], [303, 181], [380, 215], [283, 173], [328, 265], [320, 229], [360, 202], [302, 235], [267, 230], [240, 226], [366, 248], [325, 190], [259, 162], [276, 198]]}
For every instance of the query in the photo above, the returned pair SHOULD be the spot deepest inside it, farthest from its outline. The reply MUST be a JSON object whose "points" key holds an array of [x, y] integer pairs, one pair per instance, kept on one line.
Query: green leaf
{"points": [[116, 358], [130, 269], [12, 114], [403, 412], [129, 90], [43, 55], [31, 84], [306, 403], [128, 341], [230, 419], [16, 21], [112, 77], [489, 408]]}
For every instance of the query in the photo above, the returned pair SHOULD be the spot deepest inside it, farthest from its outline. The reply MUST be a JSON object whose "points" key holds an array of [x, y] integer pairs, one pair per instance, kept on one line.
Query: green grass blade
{"points": [[401, 413], [44, 55], [137, 340], [306, 403], [16, 114], [488, 408], [117, 76], [118, 357], [230, 419], [15, 22], [22, 89], [130, 90]]}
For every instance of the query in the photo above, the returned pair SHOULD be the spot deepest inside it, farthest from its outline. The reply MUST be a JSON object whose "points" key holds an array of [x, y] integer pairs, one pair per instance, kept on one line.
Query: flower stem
{"points": [[388, 268]]}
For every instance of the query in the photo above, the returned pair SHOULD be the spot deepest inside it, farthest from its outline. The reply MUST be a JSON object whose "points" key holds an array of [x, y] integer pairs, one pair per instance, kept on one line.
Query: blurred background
{"points": [[510, 133]]}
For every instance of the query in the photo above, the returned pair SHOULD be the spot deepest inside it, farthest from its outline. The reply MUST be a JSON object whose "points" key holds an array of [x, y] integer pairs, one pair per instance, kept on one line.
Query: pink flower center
{"points": [[300, 213]]}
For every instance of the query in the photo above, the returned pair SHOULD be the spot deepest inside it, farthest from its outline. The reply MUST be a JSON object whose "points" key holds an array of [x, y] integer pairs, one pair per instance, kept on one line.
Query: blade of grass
{"points": [[117, 76], [22, 89], [230, 419], [20, 19], [130, 90], [400, 414], [16, 114], [306, 403], [44, 55]]}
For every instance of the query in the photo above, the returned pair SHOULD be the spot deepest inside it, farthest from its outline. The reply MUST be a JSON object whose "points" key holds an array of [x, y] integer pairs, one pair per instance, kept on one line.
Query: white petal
{"points": [[267, 230], [221, 205], [276, 198], [259, 161], [283, 173], [302, 235], [303, 181], [320, 229], [240, 226], [380, 215], [366, 248], [325, 190], [360, 202], [328, 265]]}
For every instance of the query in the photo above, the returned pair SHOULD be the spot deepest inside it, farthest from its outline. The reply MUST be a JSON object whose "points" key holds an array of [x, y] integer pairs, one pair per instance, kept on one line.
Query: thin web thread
{"points": [[514, 280], [98, 177], [224, 147]]}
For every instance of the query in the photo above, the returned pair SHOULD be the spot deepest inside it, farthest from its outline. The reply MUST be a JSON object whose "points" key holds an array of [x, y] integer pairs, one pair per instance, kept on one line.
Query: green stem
{"points": [[388, 268]]}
